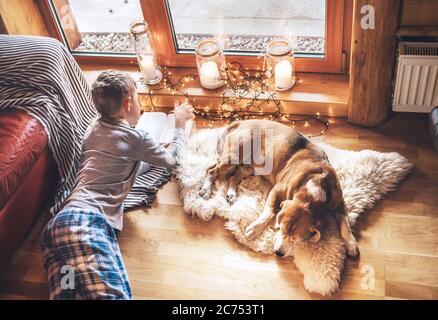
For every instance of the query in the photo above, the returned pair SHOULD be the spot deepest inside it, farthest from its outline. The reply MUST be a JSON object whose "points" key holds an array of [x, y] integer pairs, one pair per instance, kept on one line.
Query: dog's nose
{"points": [[279, 253]]}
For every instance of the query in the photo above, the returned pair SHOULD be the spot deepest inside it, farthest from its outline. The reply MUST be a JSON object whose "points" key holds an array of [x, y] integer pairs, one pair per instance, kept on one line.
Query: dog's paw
{"points": [[254, 230], [352, 249], [231, 196], [205, 193], [325, 285]]}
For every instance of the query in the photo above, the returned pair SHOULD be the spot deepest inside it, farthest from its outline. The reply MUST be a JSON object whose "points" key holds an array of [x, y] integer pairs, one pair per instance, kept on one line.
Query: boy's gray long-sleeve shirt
{"points": [[113, 155]]}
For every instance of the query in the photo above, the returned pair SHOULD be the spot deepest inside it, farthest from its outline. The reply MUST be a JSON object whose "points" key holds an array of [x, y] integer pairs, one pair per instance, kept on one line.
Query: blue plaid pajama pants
{"points": [[81, 243]]}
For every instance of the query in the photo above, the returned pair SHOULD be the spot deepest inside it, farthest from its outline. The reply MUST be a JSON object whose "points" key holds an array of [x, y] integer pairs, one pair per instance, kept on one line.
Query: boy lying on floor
{"points": [[82, 235]]}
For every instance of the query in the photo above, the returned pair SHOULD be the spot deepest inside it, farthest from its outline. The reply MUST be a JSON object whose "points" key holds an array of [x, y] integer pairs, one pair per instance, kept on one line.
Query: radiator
{"points": [[416, 84]]}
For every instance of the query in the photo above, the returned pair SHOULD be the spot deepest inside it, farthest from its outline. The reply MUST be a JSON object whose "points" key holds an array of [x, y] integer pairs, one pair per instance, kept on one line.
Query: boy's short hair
{"points": [[109, 90]]}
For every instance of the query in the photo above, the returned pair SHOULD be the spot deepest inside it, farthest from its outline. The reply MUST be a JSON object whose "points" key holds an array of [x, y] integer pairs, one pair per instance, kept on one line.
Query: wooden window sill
{"points": [[326, 94]]}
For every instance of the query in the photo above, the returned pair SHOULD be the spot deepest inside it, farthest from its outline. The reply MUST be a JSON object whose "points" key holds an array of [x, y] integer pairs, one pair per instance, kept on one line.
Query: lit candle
{"points": [[283, 75], [209, 75], [147, 66]]}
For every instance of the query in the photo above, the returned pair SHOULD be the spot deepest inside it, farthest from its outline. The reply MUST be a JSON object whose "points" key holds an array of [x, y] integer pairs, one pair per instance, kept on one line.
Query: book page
{"points": [[169, 129], [153, 123], [189, 127]]}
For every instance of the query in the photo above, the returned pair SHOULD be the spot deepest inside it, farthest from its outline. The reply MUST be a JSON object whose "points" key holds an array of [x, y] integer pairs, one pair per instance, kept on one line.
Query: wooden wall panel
{"points": [[372, 63], [22, 17], [419, 13]]}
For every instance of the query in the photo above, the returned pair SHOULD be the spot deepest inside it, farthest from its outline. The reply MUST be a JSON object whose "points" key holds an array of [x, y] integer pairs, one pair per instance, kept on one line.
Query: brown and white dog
{"points": [[305, 188]]}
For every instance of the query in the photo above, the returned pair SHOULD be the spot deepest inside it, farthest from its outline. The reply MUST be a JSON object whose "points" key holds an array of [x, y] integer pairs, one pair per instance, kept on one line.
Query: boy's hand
{"points": [[183, 113]]}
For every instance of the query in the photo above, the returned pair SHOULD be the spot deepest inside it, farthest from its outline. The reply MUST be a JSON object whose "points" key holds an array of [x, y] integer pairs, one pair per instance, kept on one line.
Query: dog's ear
{"points": [[273, 222], [285, 202], [278, 218], [279, 215], [316, 237]]}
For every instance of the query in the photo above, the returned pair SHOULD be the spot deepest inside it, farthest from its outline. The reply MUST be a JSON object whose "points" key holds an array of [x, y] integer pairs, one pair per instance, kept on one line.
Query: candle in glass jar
{"points": [[283, 75], [148, 67], [209, 74]]}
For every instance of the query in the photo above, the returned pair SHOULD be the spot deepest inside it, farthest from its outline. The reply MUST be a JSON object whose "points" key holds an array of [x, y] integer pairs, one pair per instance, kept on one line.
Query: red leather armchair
{"points": [[28, 178]]}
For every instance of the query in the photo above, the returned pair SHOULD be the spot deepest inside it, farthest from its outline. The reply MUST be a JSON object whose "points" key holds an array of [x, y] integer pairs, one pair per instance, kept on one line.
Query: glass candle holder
{"points": [[280, 64], [210, 60], [145, 53]]}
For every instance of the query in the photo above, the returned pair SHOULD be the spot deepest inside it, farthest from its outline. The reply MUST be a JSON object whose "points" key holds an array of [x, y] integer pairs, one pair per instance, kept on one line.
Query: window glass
{"points": [[98, 25], [246, 26]]}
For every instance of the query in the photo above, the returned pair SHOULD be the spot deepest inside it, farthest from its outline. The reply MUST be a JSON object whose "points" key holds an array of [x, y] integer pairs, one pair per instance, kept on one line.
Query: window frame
{"points": [[155, 13], [56, 31], [164, 45]]}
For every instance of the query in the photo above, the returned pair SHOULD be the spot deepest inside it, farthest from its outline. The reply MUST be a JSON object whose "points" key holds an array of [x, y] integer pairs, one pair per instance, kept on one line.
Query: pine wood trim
{"points": [[22, 17], [326, 94], [49, 20], [346, 40], [71, 30]]}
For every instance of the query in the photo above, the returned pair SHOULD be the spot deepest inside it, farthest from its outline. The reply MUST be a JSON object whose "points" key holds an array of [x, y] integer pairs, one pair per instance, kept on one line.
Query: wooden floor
{"points": [[172, 256]]}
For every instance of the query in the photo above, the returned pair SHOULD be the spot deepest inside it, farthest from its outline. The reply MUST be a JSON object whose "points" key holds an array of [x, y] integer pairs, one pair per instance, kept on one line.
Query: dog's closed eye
{"points": [[292, 225], [312, 234]]}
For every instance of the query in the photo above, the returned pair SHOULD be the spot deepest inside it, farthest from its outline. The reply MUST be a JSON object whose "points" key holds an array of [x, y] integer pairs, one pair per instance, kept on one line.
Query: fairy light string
{"points": [[246, 96]]}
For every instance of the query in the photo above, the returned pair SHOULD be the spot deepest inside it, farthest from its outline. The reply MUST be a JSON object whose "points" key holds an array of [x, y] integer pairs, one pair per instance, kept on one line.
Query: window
{"points": [[245, 27], [97, 26], [101, 28]]}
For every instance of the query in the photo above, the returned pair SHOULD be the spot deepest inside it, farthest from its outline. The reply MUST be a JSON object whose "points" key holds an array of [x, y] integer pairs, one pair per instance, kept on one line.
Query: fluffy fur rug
{"points": [[366, 176]]}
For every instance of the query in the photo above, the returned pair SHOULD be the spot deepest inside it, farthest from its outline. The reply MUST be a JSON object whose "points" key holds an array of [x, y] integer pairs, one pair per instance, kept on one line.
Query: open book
{"points": [[161, 126]]}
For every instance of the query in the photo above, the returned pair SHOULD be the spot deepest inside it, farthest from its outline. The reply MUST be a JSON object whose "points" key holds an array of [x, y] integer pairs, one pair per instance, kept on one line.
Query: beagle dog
{"points": [[305, 192]]}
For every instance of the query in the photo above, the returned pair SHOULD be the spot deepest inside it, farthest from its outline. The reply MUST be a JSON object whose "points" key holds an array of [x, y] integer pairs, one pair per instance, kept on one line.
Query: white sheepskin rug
{"points": [[366, 176]]}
